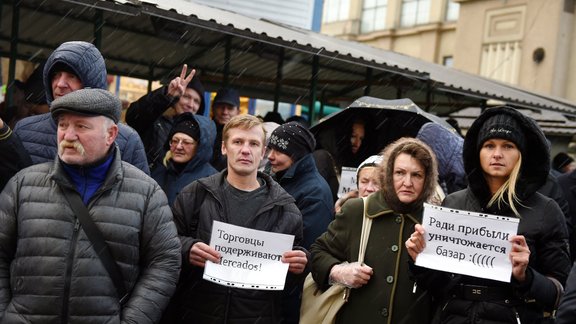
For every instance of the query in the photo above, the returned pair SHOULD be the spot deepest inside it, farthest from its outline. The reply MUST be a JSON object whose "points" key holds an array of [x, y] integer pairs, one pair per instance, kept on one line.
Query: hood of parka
{"points": [[535, 156], [409, 146], [83, 59]]}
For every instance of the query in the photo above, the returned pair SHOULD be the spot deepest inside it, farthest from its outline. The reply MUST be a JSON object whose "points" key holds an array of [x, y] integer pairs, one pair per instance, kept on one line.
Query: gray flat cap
{"points": [[90, 102]]}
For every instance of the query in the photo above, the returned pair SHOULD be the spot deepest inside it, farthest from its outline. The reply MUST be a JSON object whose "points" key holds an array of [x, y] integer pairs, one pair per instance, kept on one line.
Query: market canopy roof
{"points": [[152, 39]]}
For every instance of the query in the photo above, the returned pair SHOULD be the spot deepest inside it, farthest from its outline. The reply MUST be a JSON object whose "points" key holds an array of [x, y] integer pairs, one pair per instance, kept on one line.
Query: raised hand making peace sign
{"points": [[178, 84]]}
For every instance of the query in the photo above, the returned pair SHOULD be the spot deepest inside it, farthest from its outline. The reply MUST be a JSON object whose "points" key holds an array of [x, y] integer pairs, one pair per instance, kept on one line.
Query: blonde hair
{"points": [[507, 192], [244, 122], [167, 158]]}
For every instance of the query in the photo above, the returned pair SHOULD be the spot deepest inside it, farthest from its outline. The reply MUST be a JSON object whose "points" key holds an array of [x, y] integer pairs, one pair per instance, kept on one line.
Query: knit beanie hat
{"points": [[292, 139], [561, 160], [187, 124], [197, 86], [88, 101], [502, 126]]}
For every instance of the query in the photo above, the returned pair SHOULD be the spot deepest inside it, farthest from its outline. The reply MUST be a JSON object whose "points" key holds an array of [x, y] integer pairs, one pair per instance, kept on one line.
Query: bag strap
{"points": [[97, 239], [366, 226]]}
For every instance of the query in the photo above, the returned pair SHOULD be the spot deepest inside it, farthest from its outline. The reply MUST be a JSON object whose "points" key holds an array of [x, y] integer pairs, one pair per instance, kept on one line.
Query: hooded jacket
{"points": [[448, 149], [49, 270], [201, 301], [38, 133], [542, 224], [390, 295], [313, 197], [198, 167]]}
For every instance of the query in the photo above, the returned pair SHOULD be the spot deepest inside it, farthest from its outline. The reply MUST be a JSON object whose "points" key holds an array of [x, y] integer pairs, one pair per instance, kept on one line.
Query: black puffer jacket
{"points": [[49, 270], [201, 301], [542, 223]]}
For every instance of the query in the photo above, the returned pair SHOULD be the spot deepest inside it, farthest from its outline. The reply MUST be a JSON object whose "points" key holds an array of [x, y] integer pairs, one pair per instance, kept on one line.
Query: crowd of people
{"points": [[103, 221]]}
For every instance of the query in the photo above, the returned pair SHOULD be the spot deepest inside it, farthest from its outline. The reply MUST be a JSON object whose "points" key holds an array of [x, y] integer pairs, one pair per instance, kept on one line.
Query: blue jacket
{"points": [[313, 197], [199, 167], [38, 133], [447, 147]]}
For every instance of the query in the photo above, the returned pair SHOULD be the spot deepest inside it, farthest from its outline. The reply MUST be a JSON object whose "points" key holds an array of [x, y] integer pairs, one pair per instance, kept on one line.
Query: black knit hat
{"points": [[292, 139], [561, 160], [502, 126], [197, 86], [184, 123], [90, 102]]}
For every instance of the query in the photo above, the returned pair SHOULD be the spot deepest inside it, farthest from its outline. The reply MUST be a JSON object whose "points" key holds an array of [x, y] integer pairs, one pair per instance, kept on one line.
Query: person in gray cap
{"points": [[72, 66], [291, 164], [50, 268]]}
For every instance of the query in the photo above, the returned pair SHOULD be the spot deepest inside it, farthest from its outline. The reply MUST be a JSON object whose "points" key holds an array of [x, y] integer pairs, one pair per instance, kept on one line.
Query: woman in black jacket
{"points": [[506, 159]]}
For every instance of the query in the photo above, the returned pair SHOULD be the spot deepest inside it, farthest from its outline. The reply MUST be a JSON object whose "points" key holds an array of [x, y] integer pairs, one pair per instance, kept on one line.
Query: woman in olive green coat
{"points": [[382, 290]]}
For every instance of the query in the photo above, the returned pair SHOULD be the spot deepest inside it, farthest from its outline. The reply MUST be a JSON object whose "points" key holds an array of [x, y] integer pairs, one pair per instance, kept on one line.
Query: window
{"points": [[373, 15], [501, 61], [448, 61], [415, 12], [452, 11], [336, 10]]}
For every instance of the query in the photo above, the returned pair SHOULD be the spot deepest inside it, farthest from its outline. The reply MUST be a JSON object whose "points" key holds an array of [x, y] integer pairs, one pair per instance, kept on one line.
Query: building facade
{"points": [[521, 42], [526, 43]]}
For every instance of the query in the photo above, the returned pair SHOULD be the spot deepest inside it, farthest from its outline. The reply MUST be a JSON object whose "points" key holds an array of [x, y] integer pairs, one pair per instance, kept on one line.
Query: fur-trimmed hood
{"points": [[535, 158]]}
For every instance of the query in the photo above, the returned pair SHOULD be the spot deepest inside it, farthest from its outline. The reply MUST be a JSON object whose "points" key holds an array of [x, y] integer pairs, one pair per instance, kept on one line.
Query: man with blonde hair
{"points": [[242, 196]]}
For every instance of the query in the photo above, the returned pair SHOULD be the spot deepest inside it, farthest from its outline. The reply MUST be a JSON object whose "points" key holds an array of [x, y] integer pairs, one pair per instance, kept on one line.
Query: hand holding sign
{"points": [[251, 259], [296, 260], [200, 253], [416, 243], [469, 243], [519, 256]]}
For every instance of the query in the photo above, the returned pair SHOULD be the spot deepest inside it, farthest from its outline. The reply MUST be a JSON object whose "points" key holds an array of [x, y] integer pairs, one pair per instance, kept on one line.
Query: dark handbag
{"points": [[98, 242]]}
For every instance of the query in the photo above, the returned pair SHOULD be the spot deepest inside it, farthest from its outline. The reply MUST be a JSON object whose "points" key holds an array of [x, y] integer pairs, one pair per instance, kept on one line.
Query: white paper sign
{"points": [[467, 243], [250, 258], [347, 181]]}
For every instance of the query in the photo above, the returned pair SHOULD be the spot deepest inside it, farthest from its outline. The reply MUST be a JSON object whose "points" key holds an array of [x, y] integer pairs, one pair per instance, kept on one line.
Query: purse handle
{"points": [[366, 226]]}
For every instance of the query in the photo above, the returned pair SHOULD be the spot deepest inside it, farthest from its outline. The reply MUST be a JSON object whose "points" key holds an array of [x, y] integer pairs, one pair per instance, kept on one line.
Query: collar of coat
{"points": [[377, 207]]}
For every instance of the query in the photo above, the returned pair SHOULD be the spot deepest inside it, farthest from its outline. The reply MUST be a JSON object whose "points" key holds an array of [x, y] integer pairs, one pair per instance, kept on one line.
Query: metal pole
{"points": [[227, 57], [368, 81], [313, 85], [150, 78], [98, 25], [279, 77], [13, 52]]}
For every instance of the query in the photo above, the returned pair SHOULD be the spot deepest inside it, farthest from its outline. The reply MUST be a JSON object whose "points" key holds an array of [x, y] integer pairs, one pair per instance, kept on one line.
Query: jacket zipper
{"points": [[517, 315], [68, 277]]}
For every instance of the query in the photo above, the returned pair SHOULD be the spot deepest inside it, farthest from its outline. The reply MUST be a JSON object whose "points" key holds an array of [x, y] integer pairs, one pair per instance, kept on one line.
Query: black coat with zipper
{"points": [[201, 301], [542, 223]]}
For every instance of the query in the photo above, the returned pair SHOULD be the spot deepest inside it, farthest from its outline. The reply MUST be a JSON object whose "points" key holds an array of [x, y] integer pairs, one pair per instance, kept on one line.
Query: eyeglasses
{"points": [[187, 143]]}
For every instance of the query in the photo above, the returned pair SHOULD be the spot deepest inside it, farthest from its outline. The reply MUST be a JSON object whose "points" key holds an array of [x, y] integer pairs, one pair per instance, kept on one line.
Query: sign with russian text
{"points": [[250, 258], [347, 181], [468, 243]]}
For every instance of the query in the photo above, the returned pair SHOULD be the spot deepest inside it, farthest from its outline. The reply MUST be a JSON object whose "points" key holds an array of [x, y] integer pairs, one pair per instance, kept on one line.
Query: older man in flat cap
{"points": [[87, 238]]}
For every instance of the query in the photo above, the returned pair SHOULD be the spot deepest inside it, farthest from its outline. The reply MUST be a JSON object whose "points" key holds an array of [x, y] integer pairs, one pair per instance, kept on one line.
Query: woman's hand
{"points": [[416, 243], [519, 257], [351, 275]]}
